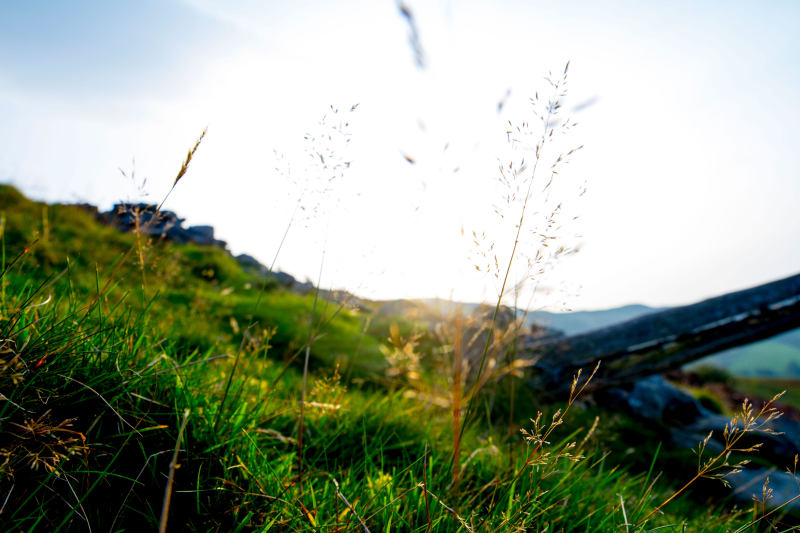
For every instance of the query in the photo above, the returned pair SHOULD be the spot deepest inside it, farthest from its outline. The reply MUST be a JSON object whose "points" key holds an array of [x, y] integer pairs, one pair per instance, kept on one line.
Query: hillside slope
{"points": [[147, 384]]}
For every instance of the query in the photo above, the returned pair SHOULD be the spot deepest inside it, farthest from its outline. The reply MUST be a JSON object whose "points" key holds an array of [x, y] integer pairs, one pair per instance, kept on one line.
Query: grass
{"points": [[768, 387], [94, 432], [147, 385], [767, 358], [119, 428]]}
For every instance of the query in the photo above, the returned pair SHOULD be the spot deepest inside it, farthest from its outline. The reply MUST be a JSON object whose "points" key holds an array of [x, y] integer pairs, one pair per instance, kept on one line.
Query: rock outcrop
{"points": [[146, 218], [164, 224], [250, 263], [657, 402]]}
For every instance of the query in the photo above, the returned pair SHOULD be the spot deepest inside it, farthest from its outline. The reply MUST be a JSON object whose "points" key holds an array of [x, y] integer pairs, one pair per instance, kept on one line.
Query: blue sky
{"points": [[87, 50], [690, 166]]}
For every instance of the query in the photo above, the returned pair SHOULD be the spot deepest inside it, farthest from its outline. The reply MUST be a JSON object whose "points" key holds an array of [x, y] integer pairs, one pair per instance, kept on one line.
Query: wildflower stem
{"points": [[732, 435], [305, 372], [172, 466], [493, 323]]}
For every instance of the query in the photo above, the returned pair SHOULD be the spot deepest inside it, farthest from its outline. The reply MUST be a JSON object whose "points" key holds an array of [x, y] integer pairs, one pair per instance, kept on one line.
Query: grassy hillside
{"points": [[199, 294], [777, 357], [151, 385], [768, 387]]}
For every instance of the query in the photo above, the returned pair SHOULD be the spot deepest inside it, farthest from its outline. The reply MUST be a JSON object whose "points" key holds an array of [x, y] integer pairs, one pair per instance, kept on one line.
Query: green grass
{"points": [[769, 387], [96, 381], [769, 358]]}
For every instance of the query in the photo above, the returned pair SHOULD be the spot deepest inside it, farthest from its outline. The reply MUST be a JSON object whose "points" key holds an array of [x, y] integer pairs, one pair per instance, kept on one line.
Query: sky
{"points": [[376, 151]]}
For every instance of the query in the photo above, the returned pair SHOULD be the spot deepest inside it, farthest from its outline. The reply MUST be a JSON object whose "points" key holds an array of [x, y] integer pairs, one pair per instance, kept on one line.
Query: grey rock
{"points": [[254, 265], [251, 263], [687, 423], [748, 485], [656, 399], [202, 232], [285, 279], [165, 224], [128, 217]]}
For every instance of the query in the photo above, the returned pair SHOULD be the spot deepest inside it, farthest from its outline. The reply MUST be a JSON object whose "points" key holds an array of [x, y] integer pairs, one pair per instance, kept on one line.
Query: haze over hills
{"points": [[570, 323], [575, 322]]}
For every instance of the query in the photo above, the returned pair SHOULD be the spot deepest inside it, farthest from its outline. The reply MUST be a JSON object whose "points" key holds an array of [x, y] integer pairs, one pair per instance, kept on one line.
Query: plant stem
{"points": [[457, 363], [493, 323], [305, 373]]}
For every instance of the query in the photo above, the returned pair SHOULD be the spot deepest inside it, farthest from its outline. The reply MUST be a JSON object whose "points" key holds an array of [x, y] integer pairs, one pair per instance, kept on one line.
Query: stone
{"points": [[687, 423], [748, 485], [128, 217], [656, 399]]}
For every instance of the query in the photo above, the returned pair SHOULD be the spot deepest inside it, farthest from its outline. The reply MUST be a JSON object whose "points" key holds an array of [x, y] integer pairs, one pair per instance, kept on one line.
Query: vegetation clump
{"points": [[150, 385]]}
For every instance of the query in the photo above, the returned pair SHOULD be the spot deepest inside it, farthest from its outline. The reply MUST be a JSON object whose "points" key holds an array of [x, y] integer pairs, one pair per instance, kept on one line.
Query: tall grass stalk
{"points": [[248, 329], [322, 150], [457, 369], [113, 276], [301, 418], [2, 263], [718, 467], [552, 109], [229, 380], [171, 478], [425, 483]]}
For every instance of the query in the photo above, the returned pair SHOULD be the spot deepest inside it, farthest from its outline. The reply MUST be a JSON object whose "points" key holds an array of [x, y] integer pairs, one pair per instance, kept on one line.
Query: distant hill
{"points": [[571, 323], [582, 321]]}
